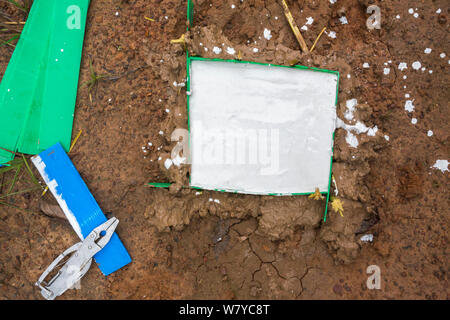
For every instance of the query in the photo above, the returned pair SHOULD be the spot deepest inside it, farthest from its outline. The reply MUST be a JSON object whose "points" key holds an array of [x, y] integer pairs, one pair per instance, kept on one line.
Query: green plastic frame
{"points": [[190, 9]]}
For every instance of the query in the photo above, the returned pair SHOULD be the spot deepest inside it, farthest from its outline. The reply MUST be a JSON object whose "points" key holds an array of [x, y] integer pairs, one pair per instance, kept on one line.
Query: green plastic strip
{"points": [[190, 13], [15, 97], [159, 184], [38, 90]]}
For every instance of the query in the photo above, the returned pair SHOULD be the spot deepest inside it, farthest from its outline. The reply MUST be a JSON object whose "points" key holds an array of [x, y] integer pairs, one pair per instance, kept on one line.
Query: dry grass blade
{"points": [[8, 42], [33, 177], [14, 180], [10, 165], [25, 7], [94, 78], [15, 207], [317, 39], [19, 192]]}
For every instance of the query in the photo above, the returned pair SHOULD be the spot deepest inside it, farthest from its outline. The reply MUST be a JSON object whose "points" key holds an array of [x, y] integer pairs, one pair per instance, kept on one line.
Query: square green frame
{"points": [[189, 59]]}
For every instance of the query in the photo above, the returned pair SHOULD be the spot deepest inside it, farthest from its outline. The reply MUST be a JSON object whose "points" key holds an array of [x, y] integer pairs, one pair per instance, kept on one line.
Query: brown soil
{"points": [[183, 244]]}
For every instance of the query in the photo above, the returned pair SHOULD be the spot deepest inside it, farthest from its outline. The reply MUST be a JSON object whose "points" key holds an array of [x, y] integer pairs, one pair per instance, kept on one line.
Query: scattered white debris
{"points": [[398, 16], [416, 65], [413, 120], [159, 158], [181, 84], [429, 133], [411, 11], [441, 165], [117, 13], [402, 66], [351, 139], [350, 104], [217, 50], [427, 50], [349, 76], [178, 160], [216, 200], [409, 106], [343, 20], [210, 199], [407, 95], [309, 21], [255, 50], [304, 28], [386, 71], [198, 193], [267, 34], [438, 11], [231, 50], [386, 137], [366, 65], [233, 6], [372, 131], [331, 34], [367, 238], [416, 15], [161, 132], [167, 110], [333, 1], [168, 163], [206, 49], [150, 144], [442, 55], [358, 128], [430, 71]]}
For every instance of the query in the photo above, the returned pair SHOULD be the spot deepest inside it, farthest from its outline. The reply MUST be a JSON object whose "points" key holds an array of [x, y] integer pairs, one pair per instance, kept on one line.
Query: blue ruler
{"points": [[78, 204]]}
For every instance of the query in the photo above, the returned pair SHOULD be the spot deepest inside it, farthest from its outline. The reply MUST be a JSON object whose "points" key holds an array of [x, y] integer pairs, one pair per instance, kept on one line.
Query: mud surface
{"points": [[202, 244]]}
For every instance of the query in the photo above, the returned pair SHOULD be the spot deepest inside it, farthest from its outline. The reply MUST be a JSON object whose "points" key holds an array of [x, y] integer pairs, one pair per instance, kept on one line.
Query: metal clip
{"points": [[79, 262]]}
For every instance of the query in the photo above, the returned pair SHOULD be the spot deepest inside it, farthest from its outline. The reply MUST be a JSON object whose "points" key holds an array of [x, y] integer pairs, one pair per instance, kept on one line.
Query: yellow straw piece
{"points": [[12, 22], [149, 19], [317, 39], [337, 206], [294, 27], [179, 40], [45, 191], [75, 140], [316, 195]]}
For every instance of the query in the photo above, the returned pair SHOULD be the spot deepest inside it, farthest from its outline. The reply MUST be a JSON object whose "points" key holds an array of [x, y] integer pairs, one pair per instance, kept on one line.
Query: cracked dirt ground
{"points": [[184, 245]]}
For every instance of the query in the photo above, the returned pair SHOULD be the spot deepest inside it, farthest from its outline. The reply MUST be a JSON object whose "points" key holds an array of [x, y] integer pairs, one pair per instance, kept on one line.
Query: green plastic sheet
{"points": [[38, 90]]}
